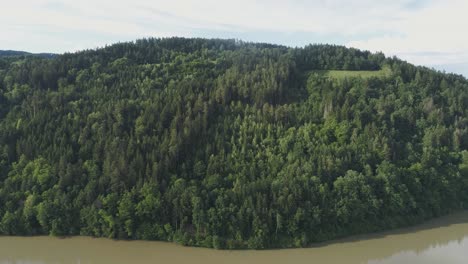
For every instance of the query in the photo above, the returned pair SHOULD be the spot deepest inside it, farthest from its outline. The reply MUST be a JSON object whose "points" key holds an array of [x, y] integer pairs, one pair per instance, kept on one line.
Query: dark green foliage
{"points": [[225, 144], [15, 53]]}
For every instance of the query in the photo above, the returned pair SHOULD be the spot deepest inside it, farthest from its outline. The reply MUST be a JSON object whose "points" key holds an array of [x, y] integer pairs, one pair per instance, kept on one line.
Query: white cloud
{"points": [[423, 32], [120, 17], [434, 35]]}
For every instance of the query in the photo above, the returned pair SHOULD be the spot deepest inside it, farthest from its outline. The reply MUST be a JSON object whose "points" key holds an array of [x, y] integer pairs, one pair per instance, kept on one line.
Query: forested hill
{"points": [[226, 144], [14, 53]]}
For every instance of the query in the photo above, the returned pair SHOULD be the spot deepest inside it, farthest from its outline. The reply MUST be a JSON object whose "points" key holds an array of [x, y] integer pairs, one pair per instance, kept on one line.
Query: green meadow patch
{"points": [[343, 74]]}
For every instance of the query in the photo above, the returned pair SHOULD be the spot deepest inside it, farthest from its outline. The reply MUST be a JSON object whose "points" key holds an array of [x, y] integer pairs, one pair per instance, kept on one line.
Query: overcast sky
{"points": [[424, 32]]}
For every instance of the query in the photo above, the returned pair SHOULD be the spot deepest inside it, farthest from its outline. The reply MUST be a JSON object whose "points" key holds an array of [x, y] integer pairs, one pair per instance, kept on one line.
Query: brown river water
{"points": [[443, 240]]}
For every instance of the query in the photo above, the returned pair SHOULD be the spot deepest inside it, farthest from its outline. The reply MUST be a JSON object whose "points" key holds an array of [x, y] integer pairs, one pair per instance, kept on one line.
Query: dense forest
{"points": [[14, 53], [227, 144]]}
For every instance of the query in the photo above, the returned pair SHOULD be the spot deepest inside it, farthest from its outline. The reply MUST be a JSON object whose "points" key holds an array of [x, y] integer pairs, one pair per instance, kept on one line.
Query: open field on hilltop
{"points": [[342, 74]]}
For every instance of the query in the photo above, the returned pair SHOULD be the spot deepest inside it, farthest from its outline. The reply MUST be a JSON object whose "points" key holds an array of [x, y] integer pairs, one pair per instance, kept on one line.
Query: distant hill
{"points": [[458, 68], [227, 144], [16, 53]]}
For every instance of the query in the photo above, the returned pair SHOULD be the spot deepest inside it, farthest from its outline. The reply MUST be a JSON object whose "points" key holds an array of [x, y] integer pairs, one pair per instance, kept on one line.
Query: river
{"points": [[443, 240]]}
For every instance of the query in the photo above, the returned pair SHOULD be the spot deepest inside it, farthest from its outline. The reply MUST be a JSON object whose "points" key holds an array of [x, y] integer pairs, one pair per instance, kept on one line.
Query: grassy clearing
{"points": [[342, 74]]}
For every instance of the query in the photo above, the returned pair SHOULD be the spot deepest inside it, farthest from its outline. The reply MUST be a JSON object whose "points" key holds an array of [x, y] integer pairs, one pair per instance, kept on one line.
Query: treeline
{"points": [[14, 53], [226, 144]]}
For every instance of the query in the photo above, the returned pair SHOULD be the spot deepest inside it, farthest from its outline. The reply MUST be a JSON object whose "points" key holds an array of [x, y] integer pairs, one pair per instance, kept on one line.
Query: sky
{"points": [[424, 32]]}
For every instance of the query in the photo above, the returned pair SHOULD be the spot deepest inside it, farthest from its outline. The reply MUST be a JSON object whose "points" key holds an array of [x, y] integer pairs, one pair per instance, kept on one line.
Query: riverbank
{"points": [[444, 238]]}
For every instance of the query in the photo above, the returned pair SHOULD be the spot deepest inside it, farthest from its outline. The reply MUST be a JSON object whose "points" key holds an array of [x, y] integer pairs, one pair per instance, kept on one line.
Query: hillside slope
{"points": [[226, 144], [7, 53], [15, 53]]}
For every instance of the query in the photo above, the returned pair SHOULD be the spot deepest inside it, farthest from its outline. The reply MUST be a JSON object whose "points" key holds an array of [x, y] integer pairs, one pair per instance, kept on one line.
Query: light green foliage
{"points": [[9, 224], [355, 200], [464, 175], [385, 72], [41, 171], [126, 213]]}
